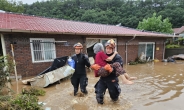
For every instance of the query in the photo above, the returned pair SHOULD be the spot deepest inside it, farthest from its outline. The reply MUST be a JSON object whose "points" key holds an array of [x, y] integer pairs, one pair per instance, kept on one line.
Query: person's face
{"points": [[77, 51], [109, 50]]}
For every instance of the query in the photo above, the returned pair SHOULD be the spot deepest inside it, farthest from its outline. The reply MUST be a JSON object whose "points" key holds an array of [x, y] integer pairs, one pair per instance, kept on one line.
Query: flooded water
{"points": [[159, 86]]}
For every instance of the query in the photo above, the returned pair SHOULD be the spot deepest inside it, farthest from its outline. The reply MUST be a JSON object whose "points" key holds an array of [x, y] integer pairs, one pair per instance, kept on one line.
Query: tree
{"points": [[156, 24], [11, 6]]}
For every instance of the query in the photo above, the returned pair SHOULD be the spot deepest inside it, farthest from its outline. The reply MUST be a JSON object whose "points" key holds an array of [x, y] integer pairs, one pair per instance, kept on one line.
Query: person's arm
{"points": [[86, 60], [95, 67], [111, 57], [119, 59]]}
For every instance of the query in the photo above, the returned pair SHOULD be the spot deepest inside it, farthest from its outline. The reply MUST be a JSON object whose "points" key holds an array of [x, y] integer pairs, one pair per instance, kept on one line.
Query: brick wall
{"points": [[22, 51], [132, 47], [23, 58]]}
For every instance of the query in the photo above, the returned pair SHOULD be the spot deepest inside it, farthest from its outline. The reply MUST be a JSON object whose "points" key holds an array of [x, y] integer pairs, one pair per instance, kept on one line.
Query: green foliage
{"points": [[126, 12], [138, 61], [11, 6], [156, 24], [25, 102], [172, 46], [33, 91], [28, 100], [180, 39], [6, 68], [178, 43], [133, 63], [4, 103]]}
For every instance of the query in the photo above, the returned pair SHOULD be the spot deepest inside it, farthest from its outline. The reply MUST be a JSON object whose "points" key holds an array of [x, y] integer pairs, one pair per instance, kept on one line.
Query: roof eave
{"points": [[74, 33]]}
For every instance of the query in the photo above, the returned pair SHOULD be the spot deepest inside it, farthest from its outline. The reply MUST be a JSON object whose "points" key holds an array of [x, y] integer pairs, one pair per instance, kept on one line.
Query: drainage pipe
{"points": [[126, 50], [164, 51]]}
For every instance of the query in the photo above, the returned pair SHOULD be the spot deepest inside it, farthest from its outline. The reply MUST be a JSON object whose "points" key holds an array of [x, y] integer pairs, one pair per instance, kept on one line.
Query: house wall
{"points": [[22, 51], [23, 58], [132, 47]]}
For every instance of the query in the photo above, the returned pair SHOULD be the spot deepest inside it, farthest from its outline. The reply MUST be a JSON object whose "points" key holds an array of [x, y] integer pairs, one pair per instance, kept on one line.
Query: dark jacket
{"points": [[81, 60]]}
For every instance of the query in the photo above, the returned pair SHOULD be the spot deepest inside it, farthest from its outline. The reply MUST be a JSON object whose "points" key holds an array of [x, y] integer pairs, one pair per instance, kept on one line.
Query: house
{"points": [[36, 41], [179, 31]]}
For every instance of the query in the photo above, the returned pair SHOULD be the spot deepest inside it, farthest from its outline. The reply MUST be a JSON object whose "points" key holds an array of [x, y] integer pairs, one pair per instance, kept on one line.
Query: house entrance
{"points": [[147, 48], [90, 42]]}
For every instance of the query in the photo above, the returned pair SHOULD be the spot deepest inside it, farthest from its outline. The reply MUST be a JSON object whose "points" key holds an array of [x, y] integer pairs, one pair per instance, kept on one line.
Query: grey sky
{"points": [[30, 1]]}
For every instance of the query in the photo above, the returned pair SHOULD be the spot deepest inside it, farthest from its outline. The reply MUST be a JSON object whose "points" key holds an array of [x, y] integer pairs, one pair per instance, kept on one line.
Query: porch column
{"points": [[3, 45], [4, 54]]}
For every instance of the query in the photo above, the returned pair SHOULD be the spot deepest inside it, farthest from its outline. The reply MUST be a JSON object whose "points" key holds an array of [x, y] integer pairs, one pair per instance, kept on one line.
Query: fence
{"points": [[171, 52]]}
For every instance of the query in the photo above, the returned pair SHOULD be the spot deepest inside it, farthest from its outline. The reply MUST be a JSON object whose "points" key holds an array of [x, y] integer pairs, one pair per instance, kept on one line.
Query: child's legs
{"points": [[118, 68], [124, 80], [128, 77]]}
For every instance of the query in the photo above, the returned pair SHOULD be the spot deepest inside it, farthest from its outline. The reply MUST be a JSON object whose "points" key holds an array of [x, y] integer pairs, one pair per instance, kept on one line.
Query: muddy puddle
{"points": [[159, 86]]}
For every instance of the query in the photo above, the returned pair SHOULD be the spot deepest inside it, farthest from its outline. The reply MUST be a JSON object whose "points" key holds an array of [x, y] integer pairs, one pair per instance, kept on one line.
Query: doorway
{"points": [[90, 42], [104, 40]]}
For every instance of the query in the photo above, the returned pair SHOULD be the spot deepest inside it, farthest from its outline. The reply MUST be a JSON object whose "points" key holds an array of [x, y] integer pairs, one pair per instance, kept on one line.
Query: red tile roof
{"points": [[179, 30], [10, 22]]}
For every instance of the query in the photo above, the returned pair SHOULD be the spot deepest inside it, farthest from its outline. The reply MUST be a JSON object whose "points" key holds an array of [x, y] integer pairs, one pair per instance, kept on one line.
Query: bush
{"points": [[172, 46], [28, 100], [4, 102], [33, 91], [133, 63], [6, 68], [25, 102]]}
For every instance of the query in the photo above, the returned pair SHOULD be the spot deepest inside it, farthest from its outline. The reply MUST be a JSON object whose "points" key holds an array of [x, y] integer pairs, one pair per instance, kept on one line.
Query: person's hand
{"points": [[95, 66], [108, 68], [89, 69]]}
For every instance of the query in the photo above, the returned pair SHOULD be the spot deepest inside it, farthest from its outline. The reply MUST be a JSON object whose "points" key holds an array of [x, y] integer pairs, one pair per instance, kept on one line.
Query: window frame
{"points": [[52, 40], [145, 50]]}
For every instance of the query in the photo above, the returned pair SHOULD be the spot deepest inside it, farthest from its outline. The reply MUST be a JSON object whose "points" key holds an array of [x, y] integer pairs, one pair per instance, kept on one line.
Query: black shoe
{"points": [[100, 103], [75, 93], [86, 92], [115, 100]]}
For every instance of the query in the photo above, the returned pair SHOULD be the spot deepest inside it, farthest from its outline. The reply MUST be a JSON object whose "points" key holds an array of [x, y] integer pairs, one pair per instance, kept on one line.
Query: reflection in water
{"points": [[158, 84], [167, 83]]}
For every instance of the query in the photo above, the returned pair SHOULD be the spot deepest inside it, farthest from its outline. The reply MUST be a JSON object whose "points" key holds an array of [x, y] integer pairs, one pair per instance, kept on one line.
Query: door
{"points": [[91, 44], [147, 48]]}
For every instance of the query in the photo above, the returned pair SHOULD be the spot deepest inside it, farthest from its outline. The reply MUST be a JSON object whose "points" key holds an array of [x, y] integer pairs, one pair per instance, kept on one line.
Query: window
{"points": [[42, 49], [147, 48]]}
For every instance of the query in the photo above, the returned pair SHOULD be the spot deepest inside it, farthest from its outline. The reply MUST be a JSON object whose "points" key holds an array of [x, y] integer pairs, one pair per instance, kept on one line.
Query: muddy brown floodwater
{"points": [[160, 86]]}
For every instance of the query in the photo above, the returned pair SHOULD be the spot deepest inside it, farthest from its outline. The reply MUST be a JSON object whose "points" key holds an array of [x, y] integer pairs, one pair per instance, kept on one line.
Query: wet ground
{"points": [[160, 86]]}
